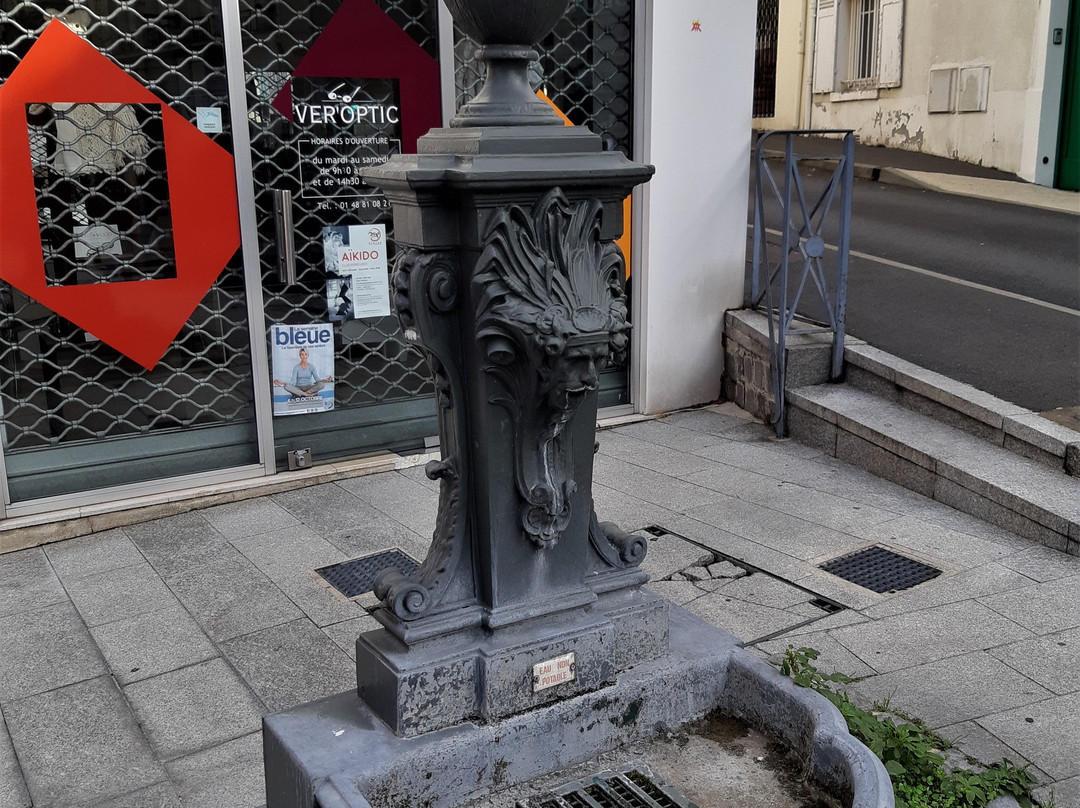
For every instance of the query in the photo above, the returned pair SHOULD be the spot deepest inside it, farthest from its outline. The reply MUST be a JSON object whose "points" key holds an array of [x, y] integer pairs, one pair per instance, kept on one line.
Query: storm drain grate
{"points": [[880, 570], [355, 577], [633, 786]]}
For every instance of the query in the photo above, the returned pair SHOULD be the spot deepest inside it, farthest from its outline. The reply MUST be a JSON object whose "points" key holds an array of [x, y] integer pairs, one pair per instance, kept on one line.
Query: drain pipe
{"points": [[806, 97]]}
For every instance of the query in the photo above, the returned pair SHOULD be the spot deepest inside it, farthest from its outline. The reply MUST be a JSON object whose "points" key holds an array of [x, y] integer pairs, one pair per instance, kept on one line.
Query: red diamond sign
{"points": [[138, 318]]}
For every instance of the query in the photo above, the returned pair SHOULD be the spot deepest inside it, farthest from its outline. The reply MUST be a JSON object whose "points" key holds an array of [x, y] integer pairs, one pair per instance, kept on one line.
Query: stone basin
{"points": [[337, 752]]}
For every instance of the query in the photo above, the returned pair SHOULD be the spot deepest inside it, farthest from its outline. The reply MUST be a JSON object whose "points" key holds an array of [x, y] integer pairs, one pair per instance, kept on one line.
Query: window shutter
{"points": [[825, 47], [891, 43]]}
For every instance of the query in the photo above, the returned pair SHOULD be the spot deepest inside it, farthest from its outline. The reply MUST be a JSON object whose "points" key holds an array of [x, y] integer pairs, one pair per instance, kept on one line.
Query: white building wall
{"points": [[1005, 35], [699, 96]]}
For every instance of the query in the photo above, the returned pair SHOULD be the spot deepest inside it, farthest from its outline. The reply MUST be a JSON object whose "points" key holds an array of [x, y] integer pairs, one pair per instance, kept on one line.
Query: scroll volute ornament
{"points": [[550, 315]]}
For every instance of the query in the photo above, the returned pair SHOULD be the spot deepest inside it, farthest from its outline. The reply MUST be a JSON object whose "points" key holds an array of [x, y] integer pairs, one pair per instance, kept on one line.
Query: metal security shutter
{"points": [[384, 398], [77, 415]]}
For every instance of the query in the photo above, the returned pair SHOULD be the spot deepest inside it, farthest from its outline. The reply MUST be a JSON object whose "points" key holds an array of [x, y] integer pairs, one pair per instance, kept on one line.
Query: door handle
{"points": [[283, 236]]}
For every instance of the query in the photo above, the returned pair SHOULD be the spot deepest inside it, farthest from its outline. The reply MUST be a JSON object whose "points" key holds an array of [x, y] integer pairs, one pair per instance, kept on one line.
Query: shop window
{"points": [[102, 191]]}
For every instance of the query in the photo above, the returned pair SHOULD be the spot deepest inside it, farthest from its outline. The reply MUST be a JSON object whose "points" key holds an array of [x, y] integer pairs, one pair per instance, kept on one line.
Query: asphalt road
{"points": [[984, 292]]}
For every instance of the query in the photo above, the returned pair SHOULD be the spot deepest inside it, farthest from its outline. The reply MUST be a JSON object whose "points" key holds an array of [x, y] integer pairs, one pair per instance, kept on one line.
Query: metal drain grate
{"points": [[880, 570], [633, 786], [355, 577]]}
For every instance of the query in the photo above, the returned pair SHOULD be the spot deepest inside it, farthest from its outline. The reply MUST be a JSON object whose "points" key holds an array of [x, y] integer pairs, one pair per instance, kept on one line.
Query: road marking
{"points": [[959, 281]]}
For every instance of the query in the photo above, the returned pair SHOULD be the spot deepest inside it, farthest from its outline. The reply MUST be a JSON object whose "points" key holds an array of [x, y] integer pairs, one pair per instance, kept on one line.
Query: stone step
{"points": [[993, 419], [939, 460]]}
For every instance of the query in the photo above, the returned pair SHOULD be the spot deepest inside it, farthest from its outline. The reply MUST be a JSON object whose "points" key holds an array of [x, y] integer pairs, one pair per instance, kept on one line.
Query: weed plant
{"points": [[912, 754]]}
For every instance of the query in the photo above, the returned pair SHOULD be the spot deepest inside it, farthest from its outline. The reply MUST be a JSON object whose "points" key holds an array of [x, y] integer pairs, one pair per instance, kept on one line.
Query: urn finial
{"points": [[506, 31]]}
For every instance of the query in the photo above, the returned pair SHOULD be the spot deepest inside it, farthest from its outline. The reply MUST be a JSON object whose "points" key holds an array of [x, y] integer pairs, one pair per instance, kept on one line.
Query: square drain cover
{"points": [[355, 577], [633, 786], [881, 570]]}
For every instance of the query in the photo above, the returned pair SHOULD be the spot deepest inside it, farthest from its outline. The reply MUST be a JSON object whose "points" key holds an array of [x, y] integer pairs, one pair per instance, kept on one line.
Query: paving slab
{"points": [[119, 593], [45, 649], [80, 744], [1042, 733], [837, 512], [651, 486], [177, 543], [673, 462], [973, 740], [707, 420], [387, 491], [1042, 563], [12, 786], [231, 598], [746, 621], [628, 512], [1042, 608], [1053, 660], [344, 634], [194, 708], [908, 640], [1063, 792], [677, 592], [159, 795], [153, 643], [834, 658], [27, 582], [230, 774], [739, 548], [92, 554], [966, 687], [764, 590], [250, 517], [326, 508], [376, 531], [269, 661], [768, 459], [669, 554], [662, 433], [987, 579], [930, 539], [779, 531]]}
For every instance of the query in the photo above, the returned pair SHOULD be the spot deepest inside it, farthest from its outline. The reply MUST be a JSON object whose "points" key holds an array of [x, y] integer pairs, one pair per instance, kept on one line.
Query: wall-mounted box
{"points": [[941, 97], [974, 87]]}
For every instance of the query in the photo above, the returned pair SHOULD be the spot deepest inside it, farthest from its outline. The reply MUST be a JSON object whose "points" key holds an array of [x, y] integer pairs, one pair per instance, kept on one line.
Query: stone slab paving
{"points": [[137, 663]]}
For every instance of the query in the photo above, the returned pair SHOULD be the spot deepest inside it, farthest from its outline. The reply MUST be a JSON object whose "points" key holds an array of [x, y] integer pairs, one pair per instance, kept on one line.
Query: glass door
{"points": [[124, 356], [332, 87]]}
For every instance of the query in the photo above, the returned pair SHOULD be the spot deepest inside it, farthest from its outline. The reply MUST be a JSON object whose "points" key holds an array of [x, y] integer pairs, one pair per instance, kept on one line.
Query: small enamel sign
{"points": [[553, 672]]}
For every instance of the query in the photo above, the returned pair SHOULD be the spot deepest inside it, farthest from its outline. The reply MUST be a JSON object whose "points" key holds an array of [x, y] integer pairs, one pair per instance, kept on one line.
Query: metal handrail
{"points": [[769, 285]]}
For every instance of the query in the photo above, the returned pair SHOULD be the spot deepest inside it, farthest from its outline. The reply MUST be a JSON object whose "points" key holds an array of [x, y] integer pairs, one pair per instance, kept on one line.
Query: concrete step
{"points": [[995, 420], [940, 460]]}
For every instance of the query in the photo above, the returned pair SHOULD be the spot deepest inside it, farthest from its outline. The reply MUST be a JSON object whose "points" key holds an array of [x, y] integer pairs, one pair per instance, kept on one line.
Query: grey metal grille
{"points": [[632, 786], [768, 27], [66, 397], [586, 68], [355, 577], [880, 570], [377, 371]]}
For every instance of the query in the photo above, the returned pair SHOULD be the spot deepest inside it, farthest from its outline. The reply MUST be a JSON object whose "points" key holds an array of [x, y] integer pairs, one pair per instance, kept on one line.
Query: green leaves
{"points": [[909, 750]]}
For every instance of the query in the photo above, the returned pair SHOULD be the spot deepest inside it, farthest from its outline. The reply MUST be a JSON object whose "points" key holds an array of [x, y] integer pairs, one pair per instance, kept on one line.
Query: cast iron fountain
{"points": [[524, 643]]}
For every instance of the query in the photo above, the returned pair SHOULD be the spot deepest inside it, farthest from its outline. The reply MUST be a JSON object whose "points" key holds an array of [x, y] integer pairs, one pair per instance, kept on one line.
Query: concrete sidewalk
{"points": [[932, 173], [136, 663]]}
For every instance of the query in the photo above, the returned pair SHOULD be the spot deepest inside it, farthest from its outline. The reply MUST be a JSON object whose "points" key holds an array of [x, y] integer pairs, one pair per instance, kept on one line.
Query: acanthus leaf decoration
{"points": [[550, 313]]}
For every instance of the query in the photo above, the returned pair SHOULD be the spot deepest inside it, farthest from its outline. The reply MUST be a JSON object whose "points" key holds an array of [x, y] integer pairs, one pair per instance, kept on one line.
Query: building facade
{"points": [[195, 283], [988, 83]]}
